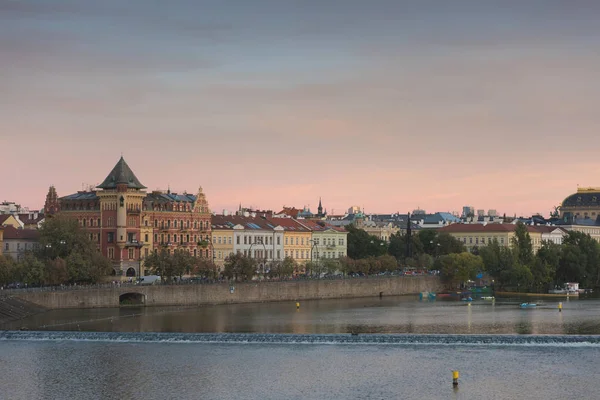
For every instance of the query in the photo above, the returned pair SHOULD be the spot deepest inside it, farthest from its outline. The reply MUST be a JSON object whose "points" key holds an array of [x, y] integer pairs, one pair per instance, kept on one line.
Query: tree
{"points": [[428, 239], [544, 266], [62, 238], [522, 244], [205, 268], [239, 267], [363, 245], [580, 260], [456, 269], [397, 246], [448, 244], [7, 270]]}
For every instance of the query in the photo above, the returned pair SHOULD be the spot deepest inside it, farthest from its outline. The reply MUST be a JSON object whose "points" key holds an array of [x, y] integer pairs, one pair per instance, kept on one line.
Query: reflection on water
{"points": [[370, 315]]}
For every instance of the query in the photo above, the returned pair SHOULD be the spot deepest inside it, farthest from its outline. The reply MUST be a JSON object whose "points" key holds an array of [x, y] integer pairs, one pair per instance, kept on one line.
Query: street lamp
{"points": [[312, 247], [258, 271]]}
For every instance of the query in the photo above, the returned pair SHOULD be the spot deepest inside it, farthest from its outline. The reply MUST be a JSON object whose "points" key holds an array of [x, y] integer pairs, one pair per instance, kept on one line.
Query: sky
{"points": [[387, 105]]}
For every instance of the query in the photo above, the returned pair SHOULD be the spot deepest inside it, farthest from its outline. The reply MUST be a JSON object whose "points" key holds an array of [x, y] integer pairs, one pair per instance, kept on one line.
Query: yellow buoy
{"points": [[560, 306], [455, 378], [297, 305]]}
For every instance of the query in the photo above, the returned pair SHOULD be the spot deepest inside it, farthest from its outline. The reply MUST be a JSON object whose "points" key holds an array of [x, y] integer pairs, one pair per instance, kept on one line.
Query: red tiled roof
{"points": [[320, 225], [25, 218], [291, 211], [229, 221], [10, 232], [547, 229], [288, 224], [481, 228]]}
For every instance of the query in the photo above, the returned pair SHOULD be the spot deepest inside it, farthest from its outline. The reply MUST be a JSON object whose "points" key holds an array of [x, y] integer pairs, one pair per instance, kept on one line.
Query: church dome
{"points": [[589, 197]]}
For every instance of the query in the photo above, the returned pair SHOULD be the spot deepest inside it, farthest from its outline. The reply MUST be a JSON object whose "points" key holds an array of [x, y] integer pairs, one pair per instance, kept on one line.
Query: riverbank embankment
{"points": [[13, 308], [225, 293]]}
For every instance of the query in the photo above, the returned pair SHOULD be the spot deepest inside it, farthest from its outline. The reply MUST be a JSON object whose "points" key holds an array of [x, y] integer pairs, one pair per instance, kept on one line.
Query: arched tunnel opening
{"points": [[132, 299]]}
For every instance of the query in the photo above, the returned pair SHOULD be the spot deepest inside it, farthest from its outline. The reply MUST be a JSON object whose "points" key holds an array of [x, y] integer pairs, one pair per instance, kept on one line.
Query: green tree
{"points": [[239, 267], [456, 269], [363, 245], [62, 238], [448, 244], [397, 247], [544, 266], [580, 260], [522, 244], [7, 270], [428, 239]]}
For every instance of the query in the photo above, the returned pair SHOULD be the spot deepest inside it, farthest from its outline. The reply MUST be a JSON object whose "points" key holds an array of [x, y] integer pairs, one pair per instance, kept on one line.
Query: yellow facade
{"points": [[12, 221], [222, 242], [297, 245], [479, 236]]}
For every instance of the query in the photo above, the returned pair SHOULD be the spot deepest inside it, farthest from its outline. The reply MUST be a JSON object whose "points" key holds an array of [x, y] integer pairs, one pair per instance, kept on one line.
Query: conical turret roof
{"points": [[121, 174]]}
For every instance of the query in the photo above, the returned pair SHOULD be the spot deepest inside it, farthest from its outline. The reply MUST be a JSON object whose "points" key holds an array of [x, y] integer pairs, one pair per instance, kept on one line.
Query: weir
{"points": [[222, 293], [366, 339]]}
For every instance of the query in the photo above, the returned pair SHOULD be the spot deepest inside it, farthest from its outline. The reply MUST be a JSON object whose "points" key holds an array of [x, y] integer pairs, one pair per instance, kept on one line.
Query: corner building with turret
{"points": [[127, 223]]}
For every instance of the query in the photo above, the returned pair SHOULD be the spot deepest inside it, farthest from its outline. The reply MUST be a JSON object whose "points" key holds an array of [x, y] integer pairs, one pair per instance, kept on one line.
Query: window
{"points": [[110, 237], [18, 246], [278, 254], [91, 222], [187, 238], [195, 224], [145, 222], [145, 252], [296, 250], [98, 222], [278, 240], [168, 223], [156, 223], [245, 239], [131, 237], [169, 238], [302, 241], [146, 237], [109, 221], [83, 222], [219, 240], [238, 239], [175, 224], [174, 238], [111, 253], [195, 253], [297, 241], [286, 241], [131, 253]]}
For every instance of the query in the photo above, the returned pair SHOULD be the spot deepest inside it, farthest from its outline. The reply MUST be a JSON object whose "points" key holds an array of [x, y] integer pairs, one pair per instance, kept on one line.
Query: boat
{"points": [[487, 298], [528, 305]]}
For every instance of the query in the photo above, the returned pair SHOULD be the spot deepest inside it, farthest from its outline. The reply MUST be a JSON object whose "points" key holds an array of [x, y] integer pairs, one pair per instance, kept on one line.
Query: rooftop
{"points": [[13, 233], [121, 174]]}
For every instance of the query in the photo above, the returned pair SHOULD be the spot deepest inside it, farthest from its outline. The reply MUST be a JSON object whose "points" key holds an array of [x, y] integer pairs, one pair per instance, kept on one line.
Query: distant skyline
{"points": [[389, 105]]}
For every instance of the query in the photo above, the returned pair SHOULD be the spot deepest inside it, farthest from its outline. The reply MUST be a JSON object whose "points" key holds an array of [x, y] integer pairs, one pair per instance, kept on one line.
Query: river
{"points": [[401, 348]]}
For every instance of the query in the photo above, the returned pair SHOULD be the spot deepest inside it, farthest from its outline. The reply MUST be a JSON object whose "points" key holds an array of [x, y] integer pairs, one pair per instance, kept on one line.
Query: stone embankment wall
{"points": [[251, 292]]}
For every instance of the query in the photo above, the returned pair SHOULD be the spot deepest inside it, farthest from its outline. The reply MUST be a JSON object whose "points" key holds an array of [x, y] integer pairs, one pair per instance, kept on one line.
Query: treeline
{"points": [[516, 267], [65, 255]]}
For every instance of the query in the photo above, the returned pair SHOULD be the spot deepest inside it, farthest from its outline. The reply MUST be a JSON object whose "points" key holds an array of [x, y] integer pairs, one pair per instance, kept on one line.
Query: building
{"points": [[585, 204], [553, 234], [31, 220], [296, 240], [1, 239], [222, 238], [10, 220], [479, 235], [127, 223], [328, 241], [15, 242], [253, 236]]}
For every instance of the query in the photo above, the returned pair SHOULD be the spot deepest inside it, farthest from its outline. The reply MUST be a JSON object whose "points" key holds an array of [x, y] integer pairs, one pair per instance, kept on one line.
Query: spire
{"points": [[320, 208], [121, 174]]}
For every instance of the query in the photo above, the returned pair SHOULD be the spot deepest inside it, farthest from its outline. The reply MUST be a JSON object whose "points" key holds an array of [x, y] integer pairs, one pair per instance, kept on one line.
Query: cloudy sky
{"points": [[390, 105]]}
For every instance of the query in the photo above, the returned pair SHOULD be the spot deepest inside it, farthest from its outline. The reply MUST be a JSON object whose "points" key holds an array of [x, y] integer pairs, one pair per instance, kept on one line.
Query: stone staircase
{"points": [[13, 309]]}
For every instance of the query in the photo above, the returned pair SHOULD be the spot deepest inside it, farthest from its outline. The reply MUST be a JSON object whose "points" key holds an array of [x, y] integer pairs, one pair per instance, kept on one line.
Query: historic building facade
{"points": [[328, 241], [479, 235], [585, 204], [128, 223]]}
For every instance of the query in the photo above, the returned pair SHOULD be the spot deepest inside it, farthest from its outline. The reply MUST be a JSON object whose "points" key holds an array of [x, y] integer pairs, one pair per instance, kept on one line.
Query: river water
{"points": [[401, 348]]}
